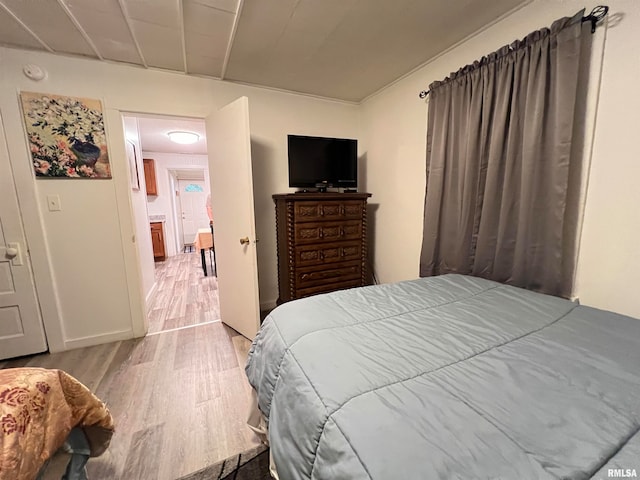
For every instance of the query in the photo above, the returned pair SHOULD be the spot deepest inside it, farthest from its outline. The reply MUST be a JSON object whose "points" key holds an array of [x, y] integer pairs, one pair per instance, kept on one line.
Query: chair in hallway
{"points": [[212, 252], [203, 243]]}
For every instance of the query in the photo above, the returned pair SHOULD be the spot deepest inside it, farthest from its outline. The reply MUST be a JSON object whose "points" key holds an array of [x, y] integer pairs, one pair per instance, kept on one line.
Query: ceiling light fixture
{"points": [[183, 138]]}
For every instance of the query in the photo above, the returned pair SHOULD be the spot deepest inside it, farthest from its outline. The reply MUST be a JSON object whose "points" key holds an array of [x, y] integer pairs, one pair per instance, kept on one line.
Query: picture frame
{"points": [[66, 136], [133, 165]]}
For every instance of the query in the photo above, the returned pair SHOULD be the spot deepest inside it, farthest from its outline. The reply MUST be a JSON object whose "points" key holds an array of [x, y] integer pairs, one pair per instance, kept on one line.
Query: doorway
{"points": [[229, 156], [191, 194], [178, 295]]}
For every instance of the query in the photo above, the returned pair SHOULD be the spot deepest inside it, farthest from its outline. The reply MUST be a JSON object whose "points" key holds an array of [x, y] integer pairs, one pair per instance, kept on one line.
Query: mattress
{"points": [[449, 377]]}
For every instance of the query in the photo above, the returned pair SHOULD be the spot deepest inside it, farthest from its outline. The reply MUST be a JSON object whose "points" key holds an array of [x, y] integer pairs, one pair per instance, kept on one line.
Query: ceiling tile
{"points": [[246, 50], [207, 21], [50, 22], [105, 24], [204, 45], [158, 12], [98, 6], [12, 34], [203, 65], [227, 5], [206, 32], [161, 46]]}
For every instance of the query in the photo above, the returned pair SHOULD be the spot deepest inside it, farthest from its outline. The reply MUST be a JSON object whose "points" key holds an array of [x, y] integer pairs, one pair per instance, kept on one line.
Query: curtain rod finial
{"points": [[423, 93], [597, 14]]}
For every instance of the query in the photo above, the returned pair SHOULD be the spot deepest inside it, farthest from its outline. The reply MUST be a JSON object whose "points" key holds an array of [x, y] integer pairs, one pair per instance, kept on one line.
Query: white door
{"points": [[193, 208], [21, 330], [229, 148]]}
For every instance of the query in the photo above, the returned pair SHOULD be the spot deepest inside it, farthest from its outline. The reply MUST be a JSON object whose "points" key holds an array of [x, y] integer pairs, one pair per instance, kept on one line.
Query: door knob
{"points": [[244, 241], [14, 252]]}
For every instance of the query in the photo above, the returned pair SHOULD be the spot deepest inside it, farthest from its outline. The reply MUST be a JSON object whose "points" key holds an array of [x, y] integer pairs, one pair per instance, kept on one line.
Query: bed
{"points": [[448, 377]]}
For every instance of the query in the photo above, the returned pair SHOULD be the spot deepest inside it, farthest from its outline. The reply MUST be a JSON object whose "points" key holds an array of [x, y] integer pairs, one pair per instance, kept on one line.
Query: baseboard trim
{"points": [[151, 295], [98, 339]]}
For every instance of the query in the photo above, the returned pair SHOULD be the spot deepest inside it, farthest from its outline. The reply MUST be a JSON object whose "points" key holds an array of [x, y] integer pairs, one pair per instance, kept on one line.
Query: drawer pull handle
{"points": [[323, 275]]}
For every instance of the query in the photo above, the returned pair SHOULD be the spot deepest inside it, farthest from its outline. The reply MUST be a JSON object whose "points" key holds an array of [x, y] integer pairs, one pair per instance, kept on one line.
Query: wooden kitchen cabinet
{"points": [[150, 176], [157, 240]]}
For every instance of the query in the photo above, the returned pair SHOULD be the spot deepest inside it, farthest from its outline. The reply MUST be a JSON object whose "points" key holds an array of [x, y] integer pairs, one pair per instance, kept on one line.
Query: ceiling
{"points": [[153, 134], [342, 49]]}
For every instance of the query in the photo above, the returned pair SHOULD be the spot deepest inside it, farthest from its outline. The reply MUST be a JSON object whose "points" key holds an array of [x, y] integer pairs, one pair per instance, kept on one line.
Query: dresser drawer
{"points": [[314, 232], [326, 274], [316, 254], [313, 211]]}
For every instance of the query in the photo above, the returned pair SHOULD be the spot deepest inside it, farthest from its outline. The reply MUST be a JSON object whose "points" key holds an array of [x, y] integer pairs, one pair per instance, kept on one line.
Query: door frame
{"points": [[137, 299], [176, 203], [34, 338], [177, 233], [36, 248]]}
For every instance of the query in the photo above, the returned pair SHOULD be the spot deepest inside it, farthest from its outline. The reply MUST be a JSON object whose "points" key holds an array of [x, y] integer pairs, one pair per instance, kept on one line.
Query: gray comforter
{"points": [[449, 377]]}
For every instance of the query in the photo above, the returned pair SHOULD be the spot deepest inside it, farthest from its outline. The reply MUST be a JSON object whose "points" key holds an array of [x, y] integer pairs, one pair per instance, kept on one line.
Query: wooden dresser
{"points": [[322, 242]]}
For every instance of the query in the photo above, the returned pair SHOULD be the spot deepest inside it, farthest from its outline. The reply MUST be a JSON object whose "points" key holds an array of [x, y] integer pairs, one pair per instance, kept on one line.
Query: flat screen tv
{"points": [[318, 162]]}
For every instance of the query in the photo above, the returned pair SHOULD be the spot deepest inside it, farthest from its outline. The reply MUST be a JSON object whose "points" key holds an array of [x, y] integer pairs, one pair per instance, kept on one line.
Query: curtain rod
{"points": [[597, 14]]}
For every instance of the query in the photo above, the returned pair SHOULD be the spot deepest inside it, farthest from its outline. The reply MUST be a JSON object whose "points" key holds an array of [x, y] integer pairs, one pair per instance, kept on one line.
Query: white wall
{"points": [[271, 119], [393, 135], [140, 215], [84, 259], [609, 267]]}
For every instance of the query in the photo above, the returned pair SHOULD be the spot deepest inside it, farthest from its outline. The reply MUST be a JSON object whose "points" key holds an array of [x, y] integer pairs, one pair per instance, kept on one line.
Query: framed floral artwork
{"points": [[133, 165], [66, 136]]}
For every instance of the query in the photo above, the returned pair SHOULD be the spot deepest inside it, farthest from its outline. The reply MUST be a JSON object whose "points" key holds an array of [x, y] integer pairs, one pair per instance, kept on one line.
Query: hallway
{"points": [[184, 296]]}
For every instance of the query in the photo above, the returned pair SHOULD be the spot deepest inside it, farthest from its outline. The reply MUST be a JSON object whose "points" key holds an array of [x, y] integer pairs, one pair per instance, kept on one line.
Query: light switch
{"points": [[53, 201]]}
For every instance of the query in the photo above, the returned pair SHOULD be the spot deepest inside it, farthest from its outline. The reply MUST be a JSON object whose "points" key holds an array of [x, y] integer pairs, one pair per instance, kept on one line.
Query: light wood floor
{"points": [[184, 296], [179, 397]]}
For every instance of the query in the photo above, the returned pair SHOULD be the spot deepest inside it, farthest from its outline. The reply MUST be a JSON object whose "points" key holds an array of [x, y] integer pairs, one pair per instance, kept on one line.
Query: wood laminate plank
{"points": [[144, 351], [184, 296], [146, 442]]}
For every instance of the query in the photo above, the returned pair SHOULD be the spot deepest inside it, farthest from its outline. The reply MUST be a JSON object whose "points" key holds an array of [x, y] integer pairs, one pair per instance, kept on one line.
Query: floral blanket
{"points": [[38, 409]]}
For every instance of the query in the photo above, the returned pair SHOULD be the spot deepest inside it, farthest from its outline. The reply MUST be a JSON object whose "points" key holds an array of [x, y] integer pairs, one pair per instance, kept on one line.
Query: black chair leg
{"points": [[204, 261]]}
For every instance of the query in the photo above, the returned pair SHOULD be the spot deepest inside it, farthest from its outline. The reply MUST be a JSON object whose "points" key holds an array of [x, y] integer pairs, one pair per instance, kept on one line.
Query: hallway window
{"points": [[192, 187]]}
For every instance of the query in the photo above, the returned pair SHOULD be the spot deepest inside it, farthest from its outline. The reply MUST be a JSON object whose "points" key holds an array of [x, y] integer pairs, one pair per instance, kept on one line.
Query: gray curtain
{"points": [[500, 168]]}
